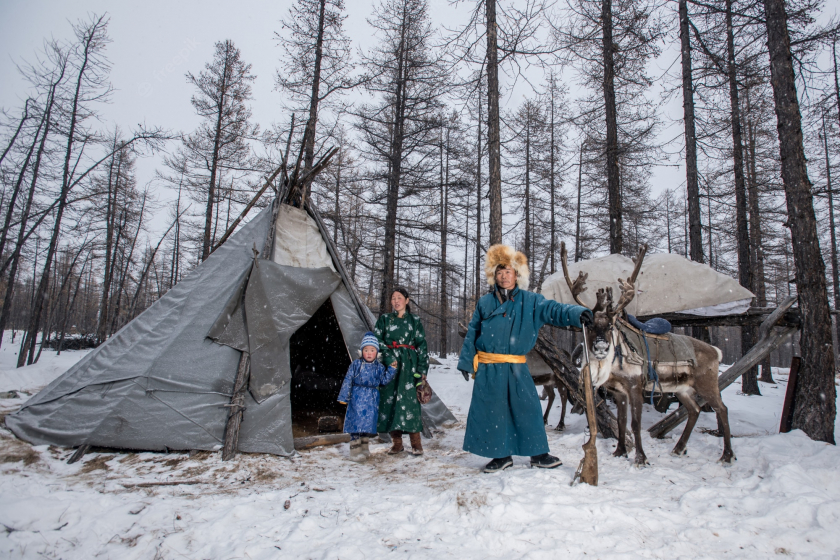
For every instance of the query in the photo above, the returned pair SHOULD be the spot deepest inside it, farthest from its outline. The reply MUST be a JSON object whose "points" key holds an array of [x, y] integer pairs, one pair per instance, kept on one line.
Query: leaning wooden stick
{"points": [[588, 468], [249, 206]]}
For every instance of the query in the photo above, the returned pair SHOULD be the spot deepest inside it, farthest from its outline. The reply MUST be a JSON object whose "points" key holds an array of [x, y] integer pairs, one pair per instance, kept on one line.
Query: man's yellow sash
{"points": [[490, 358]]}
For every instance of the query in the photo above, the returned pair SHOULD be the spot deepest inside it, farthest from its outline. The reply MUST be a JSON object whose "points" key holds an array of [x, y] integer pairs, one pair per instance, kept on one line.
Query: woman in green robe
{"points": [[402, 339]]}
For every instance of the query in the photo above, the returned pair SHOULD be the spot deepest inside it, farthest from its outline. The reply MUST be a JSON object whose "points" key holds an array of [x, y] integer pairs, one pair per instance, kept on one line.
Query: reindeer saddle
{"points": [[664, 348]]}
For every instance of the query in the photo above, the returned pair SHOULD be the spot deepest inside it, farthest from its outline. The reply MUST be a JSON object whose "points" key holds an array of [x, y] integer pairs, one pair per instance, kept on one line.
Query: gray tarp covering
{"points": [[278, 301], [160, 383]]}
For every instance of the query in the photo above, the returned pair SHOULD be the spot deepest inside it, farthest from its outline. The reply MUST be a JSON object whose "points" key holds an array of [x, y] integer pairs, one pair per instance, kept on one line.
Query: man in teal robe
{"points": [[505, 416]]}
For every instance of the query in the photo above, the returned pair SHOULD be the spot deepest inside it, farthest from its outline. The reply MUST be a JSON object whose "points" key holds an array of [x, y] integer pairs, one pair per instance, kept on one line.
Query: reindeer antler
{"points": [[578, 286], [628, 287]]}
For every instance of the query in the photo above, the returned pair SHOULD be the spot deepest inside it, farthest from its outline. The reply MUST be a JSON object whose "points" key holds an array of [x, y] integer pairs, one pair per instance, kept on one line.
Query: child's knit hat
{"points": [[369, 340]]}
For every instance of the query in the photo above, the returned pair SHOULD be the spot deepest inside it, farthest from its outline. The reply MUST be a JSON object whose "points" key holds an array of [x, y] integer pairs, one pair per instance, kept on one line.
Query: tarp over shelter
{"points": [[161, 384], [667, 283]]}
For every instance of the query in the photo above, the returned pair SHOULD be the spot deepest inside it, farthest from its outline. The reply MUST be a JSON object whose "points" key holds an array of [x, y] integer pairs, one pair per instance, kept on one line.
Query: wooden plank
{"points": [[316, 441], [237, 407], [790, 396], [80, 452], [754, 316]]}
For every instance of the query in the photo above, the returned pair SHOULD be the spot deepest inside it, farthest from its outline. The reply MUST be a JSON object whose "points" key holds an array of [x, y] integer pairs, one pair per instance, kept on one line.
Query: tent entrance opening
{"points": [[319, 361]]}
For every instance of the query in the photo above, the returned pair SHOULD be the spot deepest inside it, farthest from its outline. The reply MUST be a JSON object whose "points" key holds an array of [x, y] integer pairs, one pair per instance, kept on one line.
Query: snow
{"points": [[780, 498]]}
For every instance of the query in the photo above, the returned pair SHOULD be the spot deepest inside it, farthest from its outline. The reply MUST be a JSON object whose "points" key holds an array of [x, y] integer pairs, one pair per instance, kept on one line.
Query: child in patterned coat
{"points": [[360, 392]]}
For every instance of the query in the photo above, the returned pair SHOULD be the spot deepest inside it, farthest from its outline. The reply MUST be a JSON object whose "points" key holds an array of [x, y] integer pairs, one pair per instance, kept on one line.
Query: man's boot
{"points": [[396, 443], [365, 446], [416, 446], [497, 465], [545, 461], [356, 451]]}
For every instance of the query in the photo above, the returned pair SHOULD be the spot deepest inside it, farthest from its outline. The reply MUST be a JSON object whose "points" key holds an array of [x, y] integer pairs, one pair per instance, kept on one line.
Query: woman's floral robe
{"points": [[399, 408]]}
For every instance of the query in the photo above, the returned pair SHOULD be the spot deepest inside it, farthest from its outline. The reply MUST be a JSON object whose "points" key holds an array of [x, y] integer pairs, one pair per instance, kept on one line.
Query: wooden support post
{"points": [[237, 407], [790, 396], [769, 340], [589, 464], [315, 441]]}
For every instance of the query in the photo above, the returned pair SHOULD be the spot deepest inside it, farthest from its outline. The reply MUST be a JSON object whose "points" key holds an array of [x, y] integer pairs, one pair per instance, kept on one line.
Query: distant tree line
{"points": [[436, 161]]}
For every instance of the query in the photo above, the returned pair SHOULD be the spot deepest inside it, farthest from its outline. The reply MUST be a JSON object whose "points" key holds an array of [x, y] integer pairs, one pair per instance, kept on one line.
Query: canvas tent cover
{"points": [[667, 283], [161, 384]]}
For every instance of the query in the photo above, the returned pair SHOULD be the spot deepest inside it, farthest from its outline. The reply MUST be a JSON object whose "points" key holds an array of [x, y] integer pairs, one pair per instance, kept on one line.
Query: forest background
{"points": [[133, 136]]}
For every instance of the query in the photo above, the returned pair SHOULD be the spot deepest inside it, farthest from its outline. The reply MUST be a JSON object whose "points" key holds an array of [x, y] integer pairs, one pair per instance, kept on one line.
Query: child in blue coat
{"points": [[360, 392]]}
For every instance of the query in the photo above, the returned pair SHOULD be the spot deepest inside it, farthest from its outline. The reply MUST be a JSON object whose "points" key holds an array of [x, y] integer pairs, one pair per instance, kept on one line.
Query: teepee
{"points": [[246, 352]]}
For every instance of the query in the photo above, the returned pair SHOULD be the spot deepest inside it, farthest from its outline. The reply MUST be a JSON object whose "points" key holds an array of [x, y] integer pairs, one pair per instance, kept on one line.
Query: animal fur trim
{"points": [[505, 255]]}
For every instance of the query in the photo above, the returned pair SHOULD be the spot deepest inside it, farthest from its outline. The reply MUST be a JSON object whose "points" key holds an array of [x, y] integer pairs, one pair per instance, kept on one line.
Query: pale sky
{"points": [[155, 43]]}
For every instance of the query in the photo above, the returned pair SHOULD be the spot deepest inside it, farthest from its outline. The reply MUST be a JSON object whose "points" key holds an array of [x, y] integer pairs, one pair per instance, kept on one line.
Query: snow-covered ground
{"points": [[780, 498]]}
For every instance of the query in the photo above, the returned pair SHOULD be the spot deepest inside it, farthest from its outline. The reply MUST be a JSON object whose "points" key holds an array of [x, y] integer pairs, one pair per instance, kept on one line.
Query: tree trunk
{"points": [[578, 247], [553, 202], [695, 227], [478, 201], [757, 252], [749, 382], [611, 115], [394, 175], [214, 162], [815, 410], [493, 125], [309, 132], [527, 251], [10, 205], [444, 211], [28, 344]]}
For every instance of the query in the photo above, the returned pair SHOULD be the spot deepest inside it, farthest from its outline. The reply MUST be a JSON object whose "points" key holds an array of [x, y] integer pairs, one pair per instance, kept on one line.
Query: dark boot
{"points": [[545, 461], [396, 443], [416, 446], [497, 465]]}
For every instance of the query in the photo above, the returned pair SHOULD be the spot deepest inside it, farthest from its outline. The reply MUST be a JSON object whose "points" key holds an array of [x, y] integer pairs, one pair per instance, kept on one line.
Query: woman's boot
{"points": [[365, 446], [416, 446], [396, 443]]}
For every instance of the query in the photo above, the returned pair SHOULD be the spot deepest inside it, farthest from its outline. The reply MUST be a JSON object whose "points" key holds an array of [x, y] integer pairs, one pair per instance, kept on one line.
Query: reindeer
{"points": [[549, 384], [628, 381]]}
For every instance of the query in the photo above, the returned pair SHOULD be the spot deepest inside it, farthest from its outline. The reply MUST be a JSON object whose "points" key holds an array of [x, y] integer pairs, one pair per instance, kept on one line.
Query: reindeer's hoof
{"points": [[727, 458], [620, 452], [677, 452], [560, 428], [641, 462]]}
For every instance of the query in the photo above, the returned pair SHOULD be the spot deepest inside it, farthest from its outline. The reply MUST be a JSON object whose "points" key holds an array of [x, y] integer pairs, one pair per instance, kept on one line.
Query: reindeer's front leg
{"points": [[564, 397], [636, 399], [549, 389], [621, 410]]}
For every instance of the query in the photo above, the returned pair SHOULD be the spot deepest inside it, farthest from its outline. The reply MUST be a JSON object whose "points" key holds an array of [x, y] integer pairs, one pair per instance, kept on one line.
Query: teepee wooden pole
{"points": [[248, 207]]}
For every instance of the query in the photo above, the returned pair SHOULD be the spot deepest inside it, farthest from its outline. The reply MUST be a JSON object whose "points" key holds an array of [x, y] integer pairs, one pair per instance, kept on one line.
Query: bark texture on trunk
{"points": [[394, 175], [749, 382], [611, 114], [815, 391], [493, 127], [309, 133], [695, 226]]}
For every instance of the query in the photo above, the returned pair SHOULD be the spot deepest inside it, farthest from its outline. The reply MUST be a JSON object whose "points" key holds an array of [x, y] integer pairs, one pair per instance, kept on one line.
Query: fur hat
{"points": [[505, 256]]}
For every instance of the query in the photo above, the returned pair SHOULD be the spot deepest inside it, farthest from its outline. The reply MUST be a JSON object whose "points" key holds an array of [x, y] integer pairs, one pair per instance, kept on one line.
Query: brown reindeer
{"points": [[549, 384], [627, 381]]}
